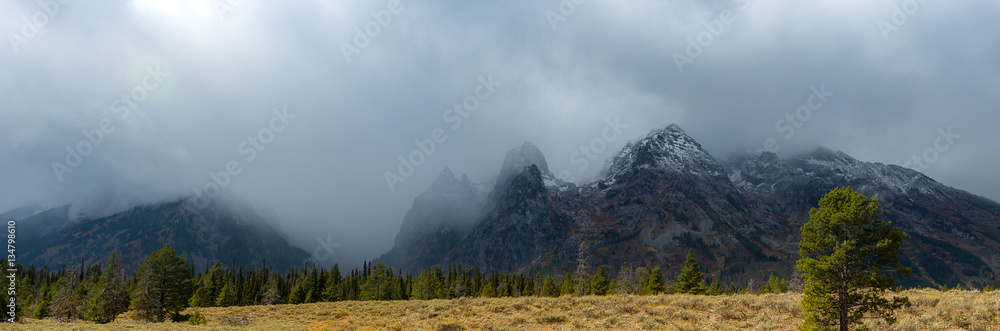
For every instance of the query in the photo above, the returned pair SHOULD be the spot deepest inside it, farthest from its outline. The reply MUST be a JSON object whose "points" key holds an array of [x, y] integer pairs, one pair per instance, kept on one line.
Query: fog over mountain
{"points": [[336, 115]]}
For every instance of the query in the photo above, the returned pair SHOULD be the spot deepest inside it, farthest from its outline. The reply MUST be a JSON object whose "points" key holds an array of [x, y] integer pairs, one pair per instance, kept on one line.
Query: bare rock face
{"points": [[439, 218], [518, 158], [664, 194], [521, 227]]}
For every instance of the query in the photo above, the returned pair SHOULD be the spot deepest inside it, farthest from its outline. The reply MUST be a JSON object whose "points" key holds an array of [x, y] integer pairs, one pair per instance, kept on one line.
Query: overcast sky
{"points": [[179, 87]]}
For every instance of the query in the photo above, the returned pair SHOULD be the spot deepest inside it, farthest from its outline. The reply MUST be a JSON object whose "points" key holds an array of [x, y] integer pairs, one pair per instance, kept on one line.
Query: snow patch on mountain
{"points": [[669, 149], [762, 172]]}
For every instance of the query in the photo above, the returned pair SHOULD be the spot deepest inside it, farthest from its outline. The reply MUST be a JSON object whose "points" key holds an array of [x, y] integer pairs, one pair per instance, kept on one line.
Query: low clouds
{"points": [[231, 63]]}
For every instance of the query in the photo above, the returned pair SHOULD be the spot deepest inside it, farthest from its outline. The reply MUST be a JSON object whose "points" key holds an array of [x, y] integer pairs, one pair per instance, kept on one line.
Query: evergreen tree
{"points": [[429, 284], [311, 289], [599, 284], [227, 296], [506, 288], [690, 280], [163, 285], [197, 318], [272, 295], [207, 286], [331, 291], [202, 296], [41, 310], [307, 288], [567, 286], [654, 281], [613, 287], [774, 284], [489, 290], [845, 247], [298, 293], [731, 289], [214, 282], [67, 304], [549, 288], [378, 286], [715, 288], [108, 297]]}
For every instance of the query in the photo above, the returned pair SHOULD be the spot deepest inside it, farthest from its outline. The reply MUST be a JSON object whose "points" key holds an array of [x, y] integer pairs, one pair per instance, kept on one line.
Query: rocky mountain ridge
{"points": [[663, 194]]}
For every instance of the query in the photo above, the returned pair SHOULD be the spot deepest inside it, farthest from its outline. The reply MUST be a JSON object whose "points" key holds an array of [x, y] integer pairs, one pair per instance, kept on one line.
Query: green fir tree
{"points": [[846, 249], [599, 284], [690, 280]]}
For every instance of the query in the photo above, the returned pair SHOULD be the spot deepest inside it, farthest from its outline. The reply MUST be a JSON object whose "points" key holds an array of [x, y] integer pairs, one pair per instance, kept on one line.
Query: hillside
{"points": [[229, 229]]}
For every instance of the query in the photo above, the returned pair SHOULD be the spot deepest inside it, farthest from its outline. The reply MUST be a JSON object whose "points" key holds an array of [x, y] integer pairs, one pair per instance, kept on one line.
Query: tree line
{"points": [[164, 284], [848, 255]]}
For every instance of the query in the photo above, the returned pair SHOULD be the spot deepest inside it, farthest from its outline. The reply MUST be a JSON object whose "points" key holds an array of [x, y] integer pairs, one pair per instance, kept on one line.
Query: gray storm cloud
{"points": [[168, 94]]}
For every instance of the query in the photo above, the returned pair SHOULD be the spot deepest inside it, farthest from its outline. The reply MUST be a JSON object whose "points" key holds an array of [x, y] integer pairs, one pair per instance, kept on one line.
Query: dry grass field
{"points": [[931, 310]]}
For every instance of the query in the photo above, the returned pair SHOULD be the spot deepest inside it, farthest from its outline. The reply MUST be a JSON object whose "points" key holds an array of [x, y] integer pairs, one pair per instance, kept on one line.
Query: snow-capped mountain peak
{"points": [[669, 149]]}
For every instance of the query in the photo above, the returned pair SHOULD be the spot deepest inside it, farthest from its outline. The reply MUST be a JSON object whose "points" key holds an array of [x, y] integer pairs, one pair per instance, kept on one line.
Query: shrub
{"points": [[450, 327], [732, 314], [552, 319], [610, 321], [197, 318], [235, 320]]}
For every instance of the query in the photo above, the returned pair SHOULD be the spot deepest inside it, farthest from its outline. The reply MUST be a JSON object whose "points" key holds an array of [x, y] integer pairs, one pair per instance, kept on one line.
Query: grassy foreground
{"points": [[931, 310]]}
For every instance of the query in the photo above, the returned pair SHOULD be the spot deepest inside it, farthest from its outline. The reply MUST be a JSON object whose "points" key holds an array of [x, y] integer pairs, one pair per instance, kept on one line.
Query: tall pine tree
{"points": [[108, 297], [690, 280], [549, 288], [599, 284], [653, 283], [164, 285], [847, 250], [227, 296]]}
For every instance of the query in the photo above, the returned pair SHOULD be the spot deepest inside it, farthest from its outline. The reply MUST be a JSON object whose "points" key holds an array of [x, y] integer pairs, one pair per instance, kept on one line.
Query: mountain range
{"points": [[229, 229], [658, 197], [664, 194]]}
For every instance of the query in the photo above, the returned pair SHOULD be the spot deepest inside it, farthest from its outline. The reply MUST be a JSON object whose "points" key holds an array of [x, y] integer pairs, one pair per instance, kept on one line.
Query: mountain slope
{"points": [[228, 230], [953, 236], [439, 217], [520, 228], [664, 194]]}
